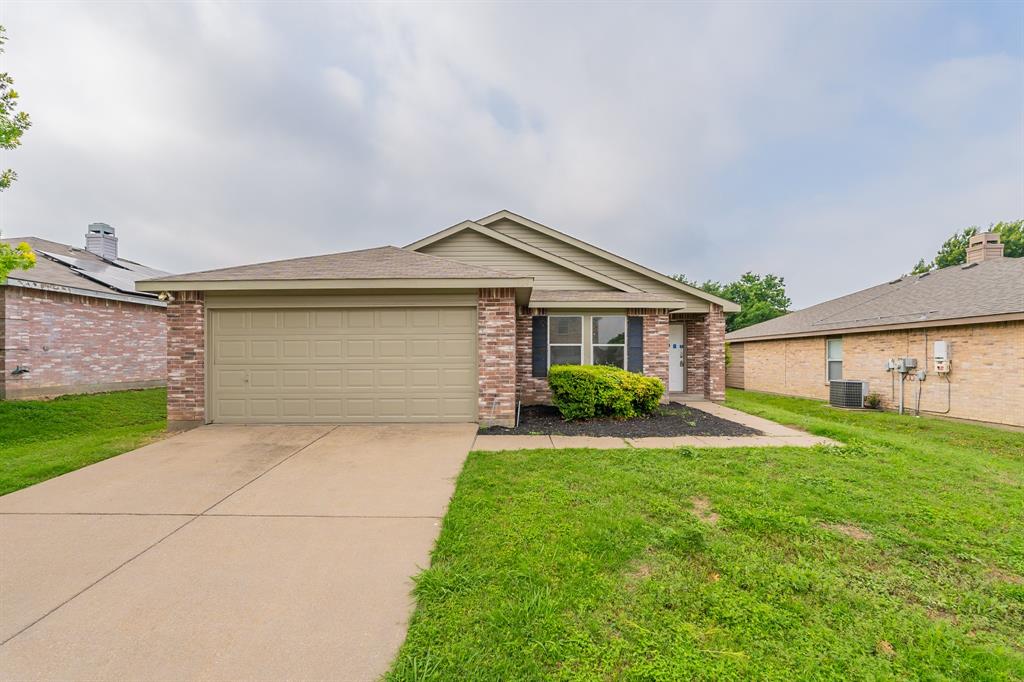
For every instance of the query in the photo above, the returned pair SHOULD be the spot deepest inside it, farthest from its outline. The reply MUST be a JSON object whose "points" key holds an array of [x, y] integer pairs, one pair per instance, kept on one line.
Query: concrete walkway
{"points": [[227, 552], [775, 435]]}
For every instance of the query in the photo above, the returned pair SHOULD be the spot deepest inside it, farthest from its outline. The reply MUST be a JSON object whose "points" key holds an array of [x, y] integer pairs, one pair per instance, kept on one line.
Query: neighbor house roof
{"points": [[979, 292], [384, 267], [60, 267]]}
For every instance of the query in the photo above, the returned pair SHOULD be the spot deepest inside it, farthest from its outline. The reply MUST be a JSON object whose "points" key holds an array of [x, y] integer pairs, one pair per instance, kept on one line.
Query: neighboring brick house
{"points": [[75, 324], [977, 309], [459, 326]]}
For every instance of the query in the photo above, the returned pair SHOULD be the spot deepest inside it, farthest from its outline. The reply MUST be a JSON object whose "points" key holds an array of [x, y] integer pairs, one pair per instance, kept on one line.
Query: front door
{"points": [[677, 357]]}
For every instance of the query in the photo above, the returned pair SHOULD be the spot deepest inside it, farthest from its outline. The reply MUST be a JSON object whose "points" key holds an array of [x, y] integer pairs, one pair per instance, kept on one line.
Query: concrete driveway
{"points": [[227, 552]]}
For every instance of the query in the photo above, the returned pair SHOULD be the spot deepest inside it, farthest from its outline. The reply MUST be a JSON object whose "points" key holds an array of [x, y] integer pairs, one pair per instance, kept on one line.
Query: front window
{"points": [[565, 340], [834, 358], [608, 338]]}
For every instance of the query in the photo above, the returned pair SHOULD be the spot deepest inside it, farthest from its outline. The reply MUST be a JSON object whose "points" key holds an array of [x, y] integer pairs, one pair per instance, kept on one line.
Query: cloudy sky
{"points": [[833, 144]]}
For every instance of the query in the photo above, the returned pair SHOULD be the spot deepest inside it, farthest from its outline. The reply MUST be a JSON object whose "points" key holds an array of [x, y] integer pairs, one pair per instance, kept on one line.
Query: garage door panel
{"points": [[262, 319], [393, 364]]}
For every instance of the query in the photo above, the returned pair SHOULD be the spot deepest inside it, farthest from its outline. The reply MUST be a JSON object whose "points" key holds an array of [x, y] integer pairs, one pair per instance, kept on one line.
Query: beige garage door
{"points": [[343, 365]]}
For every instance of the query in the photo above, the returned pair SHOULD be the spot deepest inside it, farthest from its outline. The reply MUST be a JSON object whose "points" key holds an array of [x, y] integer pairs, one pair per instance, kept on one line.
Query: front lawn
{"points": [[897, 555], [40, 439]]}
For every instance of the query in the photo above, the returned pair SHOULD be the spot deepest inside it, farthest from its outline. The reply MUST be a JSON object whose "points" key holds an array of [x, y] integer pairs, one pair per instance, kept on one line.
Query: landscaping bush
{"points": [[873, 401], [586, 391]]}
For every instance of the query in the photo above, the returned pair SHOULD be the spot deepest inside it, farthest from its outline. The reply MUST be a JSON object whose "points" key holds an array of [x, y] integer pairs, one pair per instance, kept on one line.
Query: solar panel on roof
{"points": [[113, 276]]}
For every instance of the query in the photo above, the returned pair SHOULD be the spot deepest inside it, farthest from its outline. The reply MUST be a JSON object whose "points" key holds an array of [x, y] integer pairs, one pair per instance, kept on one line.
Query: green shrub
{"points": [[586, 391]]}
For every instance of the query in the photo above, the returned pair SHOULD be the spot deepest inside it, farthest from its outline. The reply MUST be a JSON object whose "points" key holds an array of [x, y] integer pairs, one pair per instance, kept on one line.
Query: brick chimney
{"points": [[100, 239], [984, 246]]}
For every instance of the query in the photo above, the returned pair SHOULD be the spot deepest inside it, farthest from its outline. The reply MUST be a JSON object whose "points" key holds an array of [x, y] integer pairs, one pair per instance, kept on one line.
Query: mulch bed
{"points": [[673, 419]]}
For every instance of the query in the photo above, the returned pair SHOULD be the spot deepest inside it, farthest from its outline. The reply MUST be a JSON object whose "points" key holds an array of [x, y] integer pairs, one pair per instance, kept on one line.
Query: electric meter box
{"points": [[940, 352], [904, 365]]}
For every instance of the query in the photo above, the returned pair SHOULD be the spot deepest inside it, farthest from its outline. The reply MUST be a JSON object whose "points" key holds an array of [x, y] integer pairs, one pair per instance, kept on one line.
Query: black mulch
{"points": [[673, 419]]}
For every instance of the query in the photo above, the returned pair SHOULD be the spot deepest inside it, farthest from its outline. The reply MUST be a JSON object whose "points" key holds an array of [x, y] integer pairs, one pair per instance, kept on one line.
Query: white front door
{"points": [[677, 357]]}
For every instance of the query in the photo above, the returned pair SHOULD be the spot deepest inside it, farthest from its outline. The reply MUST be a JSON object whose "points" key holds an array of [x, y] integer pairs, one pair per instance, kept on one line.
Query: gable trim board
{"points": [[727, 306], [522, 246]]}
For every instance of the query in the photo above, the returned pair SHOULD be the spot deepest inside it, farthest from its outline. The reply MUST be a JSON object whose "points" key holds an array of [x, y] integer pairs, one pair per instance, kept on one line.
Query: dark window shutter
{"points": [[540, 345], [635, 344]]}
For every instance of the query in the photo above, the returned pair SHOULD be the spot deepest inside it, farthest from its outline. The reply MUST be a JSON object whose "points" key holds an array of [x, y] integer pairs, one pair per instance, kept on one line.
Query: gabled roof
{"points": [[383, 266], [60, 267], [958, 294], [523, 246], [482, 226]]}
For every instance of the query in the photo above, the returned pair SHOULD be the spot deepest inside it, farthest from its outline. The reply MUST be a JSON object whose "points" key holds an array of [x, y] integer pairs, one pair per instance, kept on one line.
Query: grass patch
{"points": [[40, 439], [898, 555]]}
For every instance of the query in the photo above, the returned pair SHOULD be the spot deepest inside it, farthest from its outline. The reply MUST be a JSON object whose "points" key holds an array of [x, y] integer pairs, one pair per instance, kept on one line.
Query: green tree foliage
{"points": [[15, 257], [12, 123], [954, 250], [761, 297]]}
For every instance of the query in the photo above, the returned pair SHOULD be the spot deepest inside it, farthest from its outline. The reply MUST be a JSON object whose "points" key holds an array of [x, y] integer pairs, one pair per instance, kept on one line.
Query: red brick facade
{"points": [[714, 358], [77, 344], [530, 389], [655, 344], [504, 356], [186, 358], [496, 356], [694, 345]]}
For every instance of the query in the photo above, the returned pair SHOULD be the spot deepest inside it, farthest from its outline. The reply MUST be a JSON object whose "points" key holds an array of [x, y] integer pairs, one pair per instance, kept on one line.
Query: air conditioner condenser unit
{"points": [[848, 393]]}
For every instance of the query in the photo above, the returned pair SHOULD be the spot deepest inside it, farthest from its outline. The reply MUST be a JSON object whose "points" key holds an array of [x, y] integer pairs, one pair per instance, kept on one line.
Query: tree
{"points": [[954, 250], [12, 125], [15, 257], [761, 297]]}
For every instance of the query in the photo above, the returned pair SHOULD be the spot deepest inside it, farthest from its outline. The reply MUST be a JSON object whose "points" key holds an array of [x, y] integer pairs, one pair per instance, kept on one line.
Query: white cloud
{"points": [[217, 133]]}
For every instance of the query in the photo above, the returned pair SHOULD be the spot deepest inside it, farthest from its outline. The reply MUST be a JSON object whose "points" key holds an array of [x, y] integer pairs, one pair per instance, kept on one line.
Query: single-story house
{"points": [[458, 326], [74, 322], [973, 314]]}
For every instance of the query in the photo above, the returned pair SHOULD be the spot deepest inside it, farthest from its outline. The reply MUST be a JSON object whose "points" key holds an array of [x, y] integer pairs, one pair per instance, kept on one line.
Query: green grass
{"points": [[40, 439], [586, 564]]}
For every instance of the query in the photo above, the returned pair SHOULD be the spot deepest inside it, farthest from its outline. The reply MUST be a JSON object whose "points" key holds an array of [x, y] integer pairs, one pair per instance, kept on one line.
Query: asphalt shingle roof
{"points": [[47, 271], [991, 287], [385, 262]]}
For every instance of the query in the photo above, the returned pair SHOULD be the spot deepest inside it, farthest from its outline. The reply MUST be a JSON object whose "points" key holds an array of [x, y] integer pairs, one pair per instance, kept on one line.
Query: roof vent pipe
{"points": [[100, 240], [984, 246]]}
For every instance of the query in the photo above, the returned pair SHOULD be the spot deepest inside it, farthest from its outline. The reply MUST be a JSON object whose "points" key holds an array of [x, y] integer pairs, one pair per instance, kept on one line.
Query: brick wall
{"points": [[78, 344], [714, 356], [531, 390], [986, 384], [186, 356], [695, 344], [734, 370], [655, 344], [496, 361]]}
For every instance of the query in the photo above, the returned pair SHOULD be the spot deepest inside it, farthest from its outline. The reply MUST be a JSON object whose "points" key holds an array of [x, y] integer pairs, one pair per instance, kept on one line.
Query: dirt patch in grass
{"points": [[849, 530], [702, 509], [674, 419], [1005, 576]]}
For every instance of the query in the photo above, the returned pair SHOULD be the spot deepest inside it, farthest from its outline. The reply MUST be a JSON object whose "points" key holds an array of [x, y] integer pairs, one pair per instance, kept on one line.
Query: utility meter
{"points": [[940, 352], [904, 365]]}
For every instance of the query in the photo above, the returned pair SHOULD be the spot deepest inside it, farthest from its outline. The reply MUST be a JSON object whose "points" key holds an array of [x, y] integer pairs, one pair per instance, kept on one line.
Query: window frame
{"points": [[581, 344], [624, 345], [829, 360]]}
